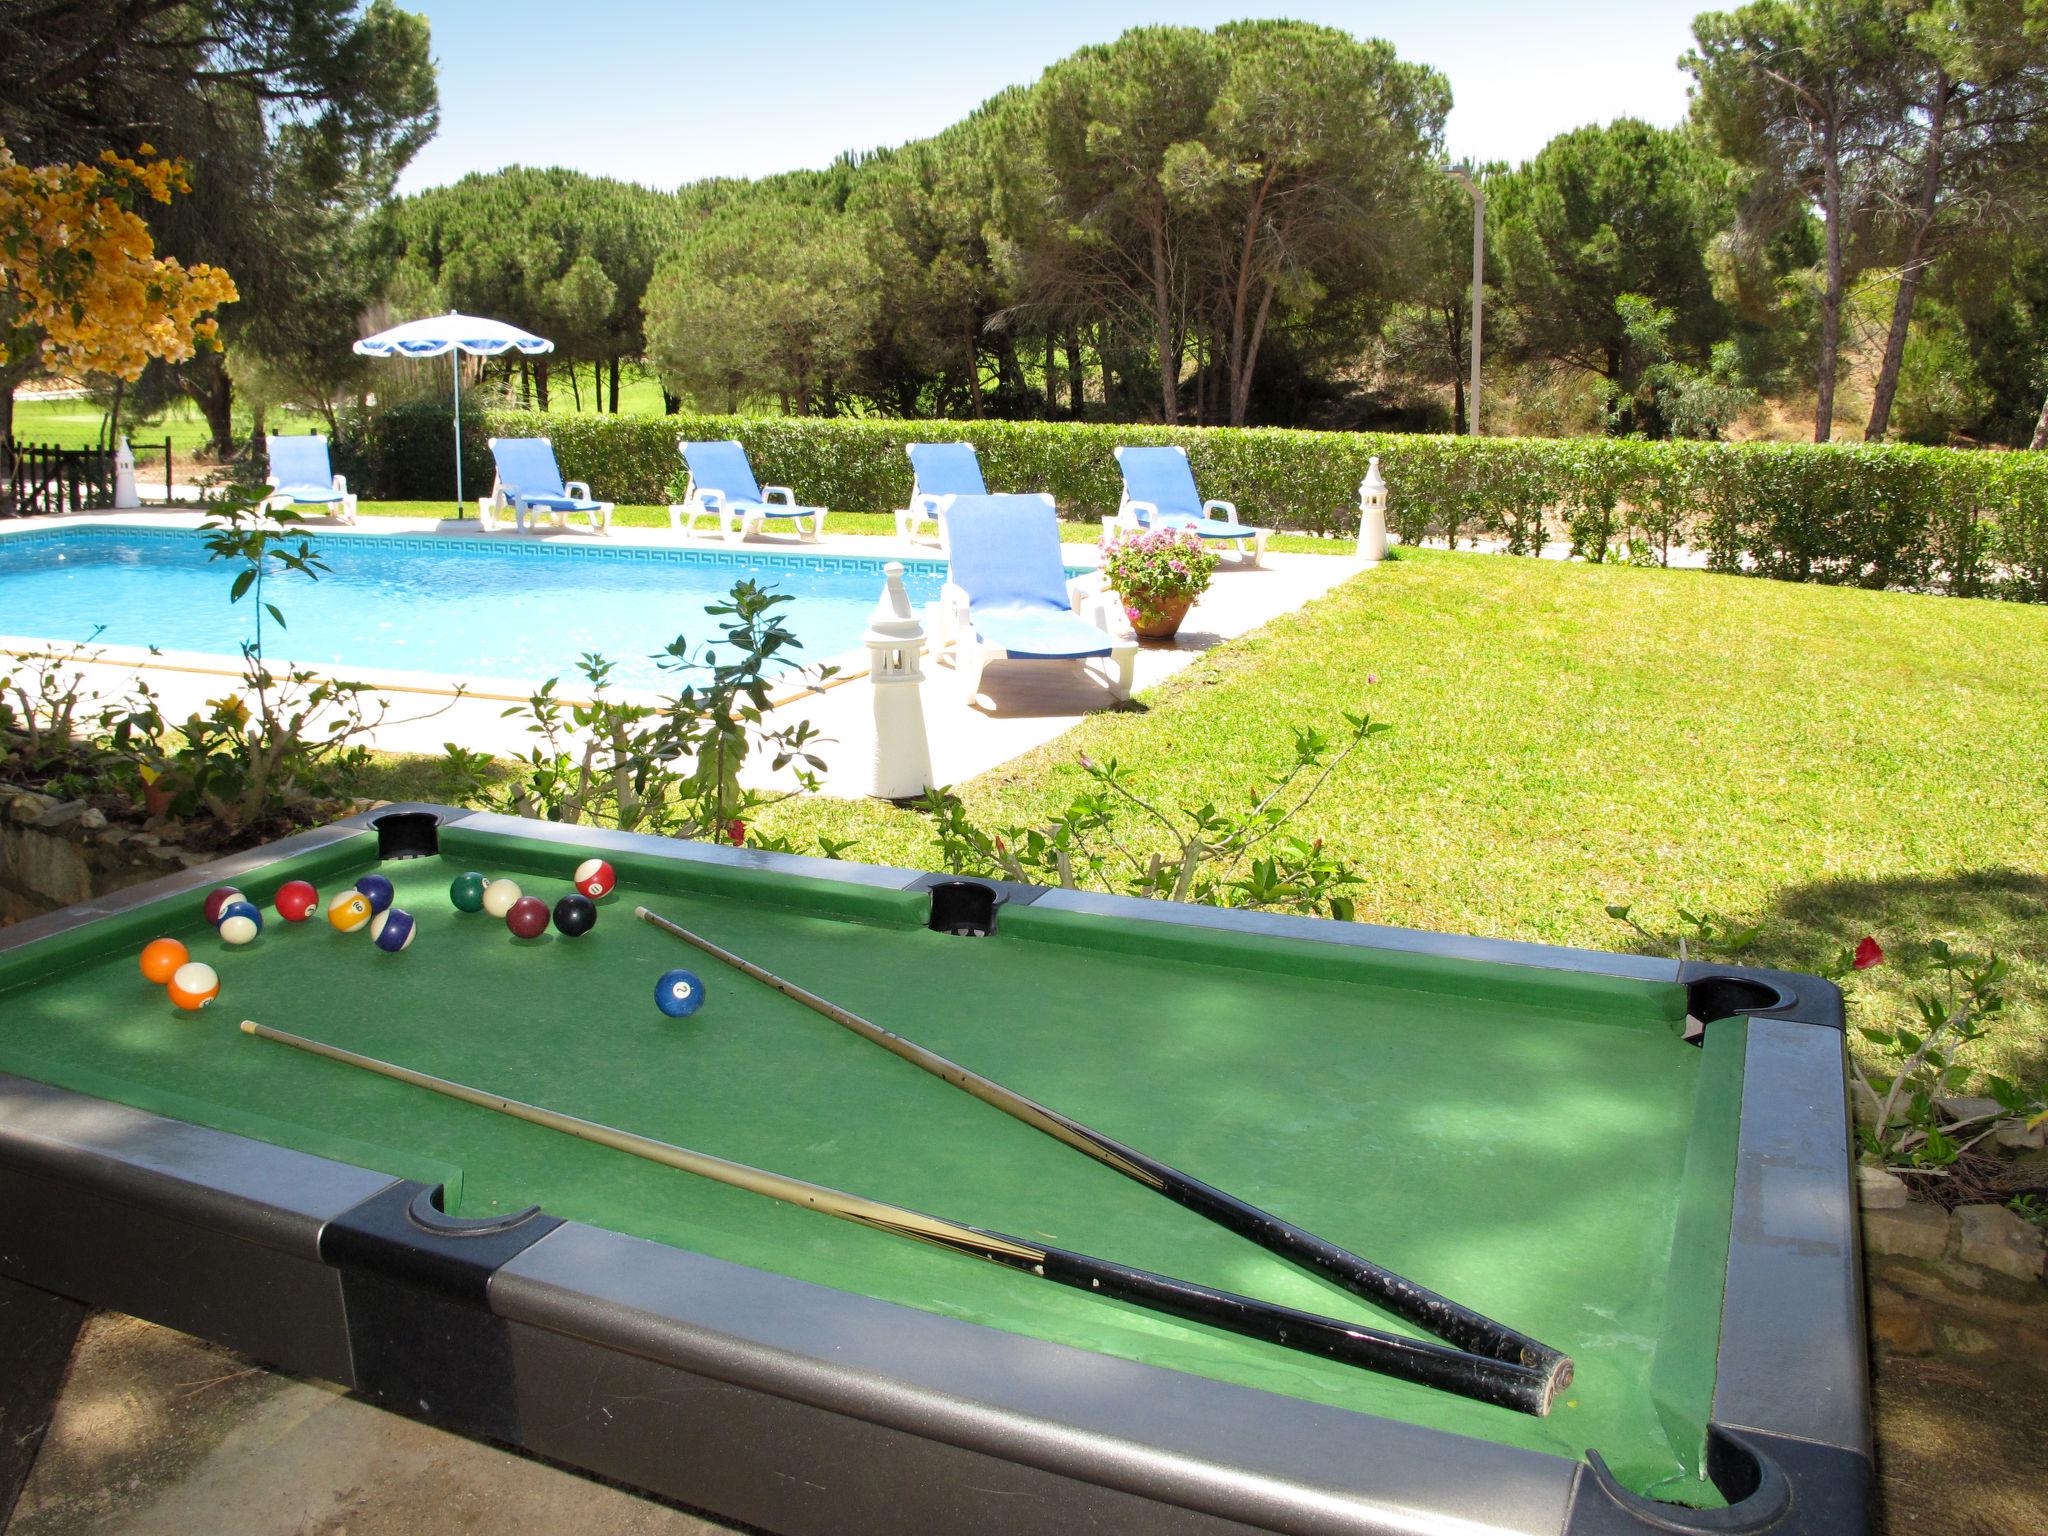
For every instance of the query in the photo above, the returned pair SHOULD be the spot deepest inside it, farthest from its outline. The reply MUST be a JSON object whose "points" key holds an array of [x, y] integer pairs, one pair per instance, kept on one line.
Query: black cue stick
{"points": [[1448, 1320], [1525, 1388]]}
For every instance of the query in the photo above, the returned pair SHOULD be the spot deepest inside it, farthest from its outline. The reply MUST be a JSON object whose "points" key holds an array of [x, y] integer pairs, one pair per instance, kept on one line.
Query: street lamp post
{"points": [[1470, 183]]}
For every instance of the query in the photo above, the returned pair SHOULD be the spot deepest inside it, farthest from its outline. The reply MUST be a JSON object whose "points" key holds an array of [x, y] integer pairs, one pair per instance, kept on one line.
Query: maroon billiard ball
{"points": [[528, 918]]}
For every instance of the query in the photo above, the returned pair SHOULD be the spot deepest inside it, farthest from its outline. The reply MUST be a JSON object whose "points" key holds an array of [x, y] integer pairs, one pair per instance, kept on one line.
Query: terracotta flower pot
{"points": [[1157, 618]]}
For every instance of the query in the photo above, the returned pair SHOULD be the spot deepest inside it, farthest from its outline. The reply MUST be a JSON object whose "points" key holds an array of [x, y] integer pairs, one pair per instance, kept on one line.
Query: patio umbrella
{"points": [[452, 333]]}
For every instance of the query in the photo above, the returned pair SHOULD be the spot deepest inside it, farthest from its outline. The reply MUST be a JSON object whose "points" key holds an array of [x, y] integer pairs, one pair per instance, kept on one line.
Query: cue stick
{"points": [[1448, 1320], [1507, 1384]]}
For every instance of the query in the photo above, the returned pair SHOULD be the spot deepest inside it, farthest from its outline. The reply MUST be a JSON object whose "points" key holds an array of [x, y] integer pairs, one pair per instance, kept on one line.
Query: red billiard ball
{"points": [[217, 898], [595, 879], [296, 901], [528, 918]]}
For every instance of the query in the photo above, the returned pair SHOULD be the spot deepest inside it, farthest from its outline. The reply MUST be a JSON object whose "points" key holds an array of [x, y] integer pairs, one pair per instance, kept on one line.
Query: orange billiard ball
{"points": [[161, 959]]}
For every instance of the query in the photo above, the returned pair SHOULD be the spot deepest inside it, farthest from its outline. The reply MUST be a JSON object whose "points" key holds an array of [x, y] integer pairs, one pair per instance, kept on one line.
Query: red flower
{"points": [[736, 832], [1868, 953]]}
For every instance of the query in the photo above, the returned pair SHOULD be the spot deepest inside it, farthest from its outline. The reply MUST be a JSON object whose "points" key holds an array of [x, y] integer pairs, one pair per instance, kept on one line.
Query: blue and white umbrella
{"points": [[453, 333]]}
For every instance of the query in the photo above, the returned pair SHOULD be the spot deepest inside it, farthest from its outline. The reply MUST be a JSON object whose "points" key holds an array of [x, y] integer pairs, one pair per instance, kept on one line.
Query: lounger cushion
{"points": [[1207, 527], [558, 503], [1005, 554], [1036, 633], [323, 495]]}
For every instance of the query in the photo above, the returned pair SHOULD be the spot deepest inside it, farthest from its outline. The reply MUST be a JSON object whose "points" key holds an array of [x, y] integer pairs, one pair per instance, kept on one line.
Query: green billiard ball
{"points": [[467, 892]]}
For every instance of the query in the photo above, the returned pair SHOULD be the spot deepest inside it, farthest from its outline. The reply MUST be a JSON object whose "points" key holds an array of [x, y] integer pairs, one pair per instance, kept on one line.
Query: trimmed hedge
{"points": [[1925, 519]]}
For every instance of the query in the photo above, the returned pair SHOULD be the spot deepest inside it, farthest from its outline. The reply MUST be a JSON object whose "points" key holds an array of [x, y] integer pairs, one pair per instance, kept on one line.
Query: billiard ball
{"points": [[467, 892], [575, 915], [378, 889], [391, 929], [349, 912], [500, 896], [217, 898], [240, 922], [595, 879], [194, 985], [161, 959], [528, 917], [296, 901], [679, 994]]}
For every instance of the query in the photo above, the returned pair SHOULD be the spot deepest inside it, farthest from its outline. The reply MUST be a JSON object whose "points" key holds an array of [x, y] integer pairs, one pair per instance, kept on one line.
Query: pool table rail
{"points": [[802, 1408]]}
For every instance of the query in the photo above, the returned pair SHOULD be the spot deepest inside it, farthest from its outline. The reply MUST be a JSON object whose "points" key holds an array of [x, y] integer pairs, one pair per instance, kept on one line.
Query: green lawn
{"points": [[78, 424], [1824, 762]]}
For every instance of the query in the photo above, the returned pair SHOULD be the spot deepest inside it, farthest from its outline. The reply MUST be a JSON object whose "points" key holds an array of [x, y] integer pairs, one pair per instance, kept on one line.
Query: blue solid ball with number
{"points": [[679, 994], [378, 889]]}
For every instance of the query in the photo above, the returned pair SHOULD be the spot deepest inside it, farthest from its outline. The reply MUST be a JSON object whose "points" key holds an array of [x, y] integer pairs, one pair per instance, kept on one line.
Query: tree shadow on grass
{"points": [[1997, 910]]}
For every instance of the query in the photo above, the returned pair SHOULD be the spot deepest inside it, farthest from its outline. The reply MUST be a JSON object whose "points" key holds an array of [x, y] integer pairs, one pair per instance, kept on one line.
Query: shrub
{"points": [[1929, 519]]}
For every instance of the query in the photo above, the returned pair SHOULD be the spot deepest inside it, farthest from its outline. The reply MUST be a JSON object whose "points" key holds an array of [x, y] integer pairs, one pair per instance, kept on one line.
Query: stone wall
{"points": [[1963, 1282], [55, 852]]}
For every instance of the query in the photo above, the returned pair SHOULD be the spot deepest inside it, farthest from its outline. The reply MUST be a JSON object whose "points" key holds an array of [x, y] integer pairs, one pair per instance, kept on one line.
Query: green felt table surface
{"points": [[1547, 1151]]}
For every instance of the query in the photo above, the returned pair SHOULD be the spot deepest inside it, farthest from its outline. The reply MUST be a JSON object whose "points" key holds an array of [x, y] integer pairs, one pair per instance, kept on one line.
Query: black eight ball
{"points": [[575, 915]]}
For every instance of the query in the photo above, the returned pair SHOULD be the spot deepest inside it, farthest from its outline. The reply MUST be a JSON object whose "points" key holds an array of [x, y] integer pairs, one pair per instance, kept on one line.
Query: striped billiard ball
{"points": [[194, 986], [391, 929], [595, 879], [217, 898], [350, 912], [240, 922]]}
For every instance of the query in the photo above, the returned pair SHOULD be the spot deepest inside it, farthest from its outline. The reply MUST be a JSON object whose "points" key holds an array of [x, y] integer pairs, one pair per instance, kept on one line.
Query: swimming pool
{"points": [[509, 608]]}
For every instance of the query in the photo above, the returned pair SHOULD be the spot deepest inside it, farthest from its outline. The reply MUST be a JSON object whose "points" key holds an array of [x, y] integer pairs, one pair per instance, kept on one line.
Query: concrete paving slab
{"points": [[160, 1434]]}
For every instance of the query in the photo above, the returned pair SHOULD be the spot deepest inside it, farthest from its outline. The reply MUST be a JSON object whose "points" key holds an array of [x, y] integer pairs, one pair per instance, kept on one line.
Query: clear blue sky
{"points": [[668, 93]]}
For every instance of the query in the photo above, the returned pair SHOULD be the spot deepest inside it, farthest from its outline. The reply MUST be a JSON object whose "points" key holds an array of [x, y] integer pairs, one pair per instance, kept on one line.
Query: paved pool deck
{"points": [[1021, 705]]}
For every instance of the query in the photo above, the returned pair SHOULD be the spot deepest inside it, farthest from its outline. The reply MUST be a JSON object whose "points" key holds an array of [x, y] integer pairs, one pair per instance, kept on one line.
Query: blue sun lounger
{"points": [[1159, 492], [530, 483], [723, 488], [1007, 596], [938, 470], [301, 475]]}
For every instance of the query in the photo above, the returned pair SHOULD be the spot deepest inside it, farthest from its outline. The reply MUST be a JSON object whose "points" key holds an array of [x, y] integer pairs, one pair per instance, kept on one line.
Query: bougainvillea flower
{"points": [[1868, 953]]}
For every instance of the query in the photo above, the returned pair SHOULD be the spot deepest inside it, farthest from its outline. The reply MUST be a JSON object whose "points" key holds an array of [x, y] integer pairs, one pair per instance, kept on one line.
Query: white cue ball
{"points": [[499, 896]]}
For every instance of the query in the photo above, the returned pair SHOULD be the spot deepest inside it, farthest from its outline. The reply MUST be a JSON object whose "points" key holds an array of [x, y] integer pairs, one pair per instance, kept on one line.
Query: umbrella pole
{"points": [[455, 367]]}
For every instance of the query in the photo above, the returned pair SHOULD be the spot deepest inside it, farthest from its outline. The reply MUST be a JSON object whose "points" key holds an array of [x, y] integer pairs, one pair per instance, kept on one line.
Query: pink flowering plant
{"points": [[1151, 567]]}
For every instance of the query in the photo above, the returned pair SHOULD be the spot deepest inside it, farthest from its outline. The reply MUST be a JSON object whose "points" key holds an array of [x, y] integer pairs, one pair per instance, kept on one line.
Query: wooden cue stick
{"points": [[1527, 1388], [1448, 1319]]}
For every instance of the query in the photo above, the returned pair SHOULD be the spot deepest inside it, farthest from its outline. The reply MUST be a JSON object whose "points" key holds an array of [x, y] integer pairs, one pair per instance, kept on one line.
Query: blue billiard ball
{"points": [[378, 889], [679, 994], [391, 929], [240, 922]]}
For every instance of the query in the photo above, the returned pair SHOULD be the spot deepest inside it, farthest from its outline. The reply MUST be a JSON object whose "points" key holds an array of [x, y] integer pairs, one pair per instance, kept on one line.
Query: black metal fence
{"points": [[40, 479]]}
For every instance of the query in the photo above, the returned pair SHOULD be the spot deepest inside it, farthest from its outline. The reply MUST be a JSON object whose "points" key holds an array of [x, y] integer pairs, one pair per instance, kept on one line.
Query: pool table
{"points": [[1642, 1163]]}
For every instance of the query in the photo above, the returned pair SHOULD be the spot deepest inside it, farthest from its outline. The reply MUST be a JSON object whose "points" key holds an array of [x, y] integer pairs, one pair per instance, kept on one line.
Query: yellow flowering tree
{"points": [[82, 289]]}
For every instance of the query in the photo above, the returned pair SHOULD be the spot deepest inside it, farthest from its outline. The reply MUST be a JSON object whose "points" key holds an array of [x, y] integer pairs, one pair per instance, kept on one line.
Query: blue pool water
{"points": [[511, 609]]}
